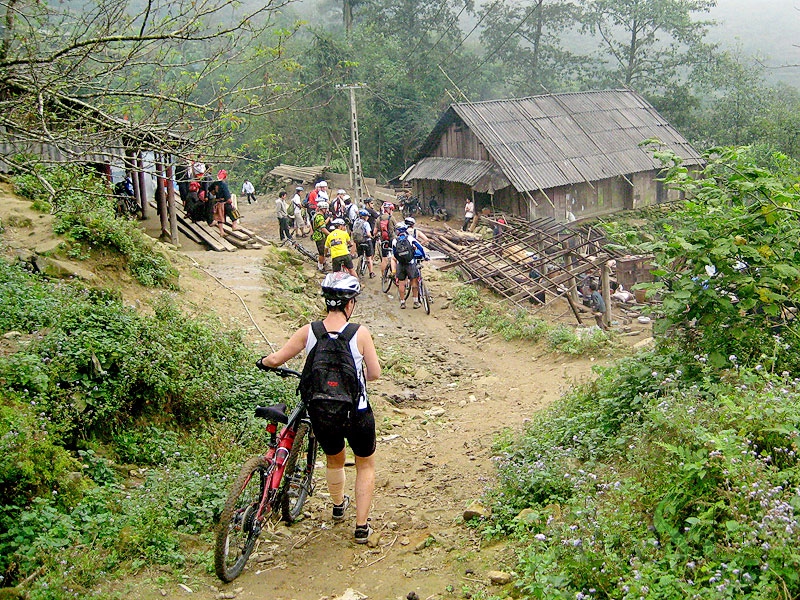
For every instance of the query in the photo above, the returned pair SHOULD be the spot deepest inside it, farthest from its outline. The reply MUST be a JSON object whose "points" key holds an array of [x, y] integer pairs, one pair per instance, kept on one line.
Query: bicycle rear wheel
{"points": [[387, 279], [238, 528], [298, 478], [423, 296], [362, 265]]}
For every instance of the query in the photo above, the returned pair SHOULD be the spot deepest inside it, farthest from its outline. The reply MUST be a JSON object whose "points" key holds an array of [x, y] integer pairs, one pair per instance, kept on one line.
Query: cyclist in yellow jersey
{"points": [[340, 246]]}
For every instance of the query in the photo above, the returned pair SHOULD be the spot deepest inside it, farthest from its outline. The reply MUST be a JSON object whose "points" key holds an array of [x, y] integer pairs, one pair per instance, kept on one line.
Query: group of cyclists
{"points": [[343, 231]]}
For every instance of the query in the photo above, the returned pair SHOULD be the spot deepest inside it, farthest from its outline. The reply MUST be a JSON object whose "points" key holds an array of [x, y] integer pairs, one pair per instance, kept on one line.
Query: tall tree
{"points": [[646, 42], [526, 39]]}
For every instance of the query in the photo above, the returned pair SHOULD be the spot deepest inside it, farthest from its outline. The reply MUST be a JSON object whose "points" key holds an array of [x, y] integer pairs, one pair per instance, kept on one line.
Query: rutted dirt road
{"points": [[435, 430]]}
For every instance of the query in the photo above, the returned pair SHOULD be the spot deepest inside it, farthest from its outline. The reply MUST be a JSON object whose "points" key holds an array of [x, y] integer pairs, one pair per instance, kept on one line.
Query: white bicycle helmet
{"points": [[339, 287], [322, 205], [337, 222], [401, 228], [410, 221]]}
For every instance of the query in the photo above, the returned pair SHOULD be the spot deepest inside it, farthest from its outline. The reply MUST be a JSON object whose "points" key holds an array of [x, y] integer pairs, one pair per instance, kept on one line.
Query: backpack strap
{"points": [[318, 329], [346, 334], [349, 332]]}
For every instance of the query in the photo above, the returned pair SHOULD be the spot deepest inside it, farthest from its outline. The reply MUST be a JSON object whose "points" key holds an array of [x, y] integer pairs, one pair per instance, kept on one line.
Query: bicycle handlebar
{"points": [[281, 371]]}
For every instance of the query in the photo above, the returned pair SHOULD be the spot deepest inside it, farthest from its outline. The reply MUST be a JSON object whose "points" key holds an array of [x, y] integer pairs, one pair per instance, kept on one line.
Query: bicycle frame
{"points": [[279, 447]]}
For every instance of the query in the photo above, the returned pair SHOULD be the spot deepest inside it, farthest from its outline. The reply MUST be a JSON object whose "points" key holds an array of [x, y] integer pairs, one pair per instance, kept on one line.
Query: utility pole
{"points": [[358, 176]]}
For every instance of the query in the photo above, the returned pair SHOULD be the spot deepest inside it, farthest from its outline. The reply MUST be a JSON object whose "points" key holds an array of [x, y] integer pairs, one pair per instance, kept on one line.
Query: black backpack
{"points": [[329, 374], [403, 250]]}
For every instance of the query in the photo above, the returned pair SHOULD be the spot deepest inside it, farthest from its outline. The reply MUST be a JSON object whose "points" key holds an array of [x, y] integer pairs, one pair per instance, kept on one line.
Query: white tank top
{"points": [[358, 359]]}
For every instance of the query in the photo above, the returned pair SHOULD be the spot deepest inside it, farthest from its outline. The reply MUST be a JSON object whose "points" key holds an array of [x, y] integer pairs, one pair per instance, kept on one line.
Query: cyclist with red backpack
{"points": [[340, 359], [384, 233]]}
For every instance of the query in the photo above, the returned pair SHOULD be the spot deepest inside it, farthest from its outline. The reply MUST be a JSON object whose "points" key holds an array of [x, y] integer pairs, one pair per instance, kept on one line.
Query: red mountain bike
{"points": [[274, 485]]}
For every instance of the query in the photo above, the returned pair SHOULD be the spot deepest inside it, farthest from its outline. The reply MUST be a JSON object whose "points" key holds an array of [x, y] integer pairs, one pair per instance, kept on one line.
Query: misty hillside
{"points": [[768, 29]]}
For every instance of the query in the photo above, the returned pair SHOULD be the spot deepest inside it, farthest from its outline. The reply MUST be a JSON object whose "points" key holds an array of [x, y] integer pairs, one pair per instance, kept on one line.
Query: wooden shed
{"points": [[562, 156]]}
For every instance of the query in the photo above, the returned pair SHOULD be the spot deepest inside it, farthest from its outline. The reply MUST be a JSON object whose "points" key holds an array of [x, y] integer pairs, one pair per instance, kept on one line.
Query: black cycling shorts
{"points": [[409, 271], [335, 422], [386, 249], [346, 260], [367, 249], [321, 246]]}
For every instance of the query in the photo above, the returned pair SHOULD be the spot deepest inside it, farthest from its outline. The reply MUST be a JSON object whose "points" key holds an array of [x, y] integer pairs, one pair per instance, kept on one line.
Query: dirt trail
{"points": [[435, 430]]}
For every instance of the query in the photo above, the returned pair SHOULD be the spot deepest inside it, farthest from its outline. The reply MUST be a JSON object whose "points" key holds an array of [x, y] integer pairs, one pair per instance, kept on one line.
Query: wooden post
{"points": [[173, 216], [573, 290], [161, 201], [605, 275], [142, 188]]}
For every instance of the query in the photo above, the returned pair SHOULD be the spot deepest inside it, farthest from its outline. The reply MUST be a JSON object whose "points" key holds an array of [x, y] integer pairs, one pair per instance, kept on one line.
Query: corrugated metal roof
{"points": [[560, 139], [460, 170]]}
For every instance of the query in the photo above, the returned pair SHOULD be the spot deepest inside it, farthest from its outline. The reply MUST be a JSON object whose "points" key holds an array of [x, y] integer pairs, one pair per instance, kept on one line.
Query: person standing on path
{"points": [[249, 191], [335, 422], [469, 213], [299, 215], [341, 248], [283, 216], [319, 232]]}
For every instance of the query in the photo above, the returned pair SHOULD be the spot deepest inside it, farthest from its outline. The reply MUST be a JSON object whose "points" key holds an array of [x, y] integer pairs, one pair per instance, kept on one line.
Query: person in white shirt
{"points": [[249, 191], [299, 215], [469, 213]]}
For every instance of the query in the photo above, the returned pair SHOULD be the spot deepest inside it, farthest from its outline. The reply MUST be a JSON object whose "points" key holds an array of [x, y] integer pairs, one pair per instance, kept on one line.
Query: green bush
{"points": [[728, 262], [663, 478]]}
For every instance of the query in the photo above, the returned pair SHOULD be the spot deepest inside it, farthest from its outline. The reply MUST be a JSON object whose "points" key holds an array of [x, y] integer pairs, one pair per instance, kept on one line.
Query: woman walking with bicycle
{"points": [[333, 420]]}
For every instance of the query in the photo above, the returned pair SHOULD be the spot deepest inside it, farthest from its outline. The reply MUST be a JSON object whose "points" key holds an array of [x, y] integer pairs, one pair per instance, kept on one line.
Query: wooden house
{"points": [[555, 155]]}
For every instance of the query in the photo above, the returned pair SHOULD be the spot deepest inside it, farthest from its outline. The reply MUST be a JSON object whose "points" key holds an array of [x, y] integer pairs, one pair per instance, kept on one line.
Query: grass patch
{"points": [[661, 479], [484, 316]]}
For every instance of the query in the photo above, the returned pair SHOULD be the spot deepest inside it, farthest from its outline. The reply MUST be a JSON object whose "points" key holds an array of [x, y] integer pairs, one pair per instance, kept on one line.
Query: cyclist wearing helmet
{"points": [[387, 208], [406, 268], [341, 248], [362, 236], [333, 424], [411, 222], [384, 233], [319, 231], [373, 219]]}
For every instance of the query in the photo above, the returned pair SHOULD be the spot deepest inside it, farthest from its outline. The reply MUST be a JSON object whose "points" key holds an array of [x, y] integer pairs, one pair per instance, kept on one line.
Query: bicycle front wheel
{"points": [[423, 296], [298, 478], [238, 528], [386, 279]]}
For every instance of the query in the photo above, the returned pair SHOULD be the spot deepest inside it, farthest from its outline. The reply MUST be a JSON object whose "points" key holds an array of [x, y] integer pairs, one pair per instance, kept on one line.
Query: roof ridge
{"points": [[583, 92]]}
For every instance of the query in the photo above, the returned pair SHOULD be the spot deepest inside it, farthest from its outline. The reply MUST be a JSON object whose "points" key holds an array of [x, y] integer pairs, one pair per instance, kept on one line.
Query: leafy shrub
{"points": [[728, 261], [659, 480]]}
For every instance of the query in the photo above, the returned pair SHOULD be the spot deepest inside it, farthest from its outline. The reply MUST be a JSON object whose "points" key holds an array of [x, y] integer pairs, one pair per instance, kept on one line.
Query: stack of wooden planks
{"points": [[208, 235], [300, 174]]}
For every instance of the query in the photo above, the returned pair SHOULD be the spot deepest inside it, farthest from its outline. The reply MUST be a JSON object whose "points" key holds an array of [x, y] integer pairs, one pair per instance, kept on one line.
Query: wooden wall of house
{"points": [[449, 194], [459, 142], [582, 200]]}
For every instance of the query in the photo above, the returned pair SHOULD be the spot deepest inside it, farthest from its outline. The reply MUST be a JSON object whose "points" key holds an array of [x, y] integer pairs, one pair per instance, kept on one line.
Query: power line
{"points": [[464, 39], [503, 43]]}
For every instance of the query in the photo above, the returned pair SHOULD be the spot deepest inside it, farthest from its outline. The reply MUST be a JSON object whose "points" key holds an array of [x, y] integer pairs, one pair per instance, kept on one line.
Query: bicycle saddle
{"points": [[273, 413]]}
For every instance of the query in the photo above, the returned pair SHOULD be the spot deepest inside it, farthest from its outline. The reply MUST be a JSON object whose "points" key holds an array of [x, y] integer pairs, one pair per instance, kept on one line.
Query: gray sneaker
{"points": [[362, 533], [339, 509]]}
